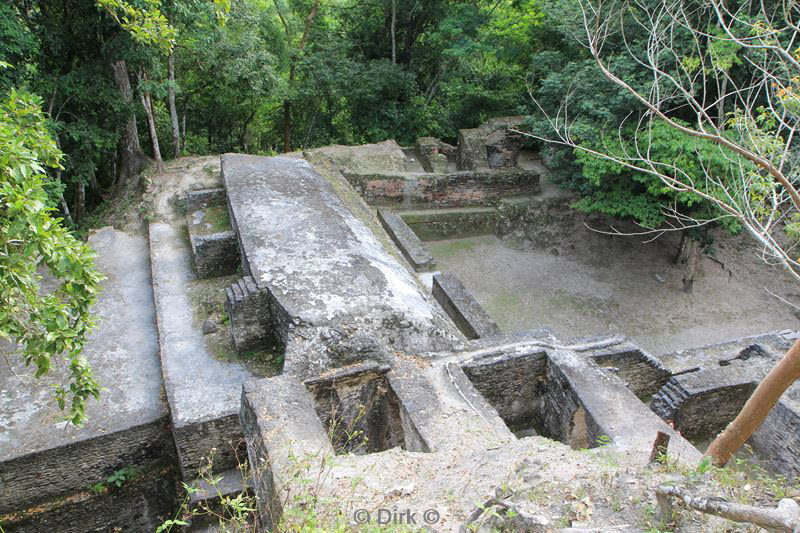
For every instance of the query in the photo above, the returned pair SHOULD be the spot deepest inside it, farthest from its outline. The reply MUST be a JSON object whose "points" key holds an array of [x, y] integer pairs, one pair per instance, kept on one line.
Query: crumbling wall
{"points": [[454, 189], [490, 145]]}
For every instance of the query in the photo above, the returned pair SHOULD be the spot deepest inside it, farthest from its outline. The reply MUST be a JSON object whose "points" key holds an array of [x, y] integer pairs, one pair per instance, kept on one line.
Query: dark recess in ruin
{"points": [[360, 411], [532, 397]]}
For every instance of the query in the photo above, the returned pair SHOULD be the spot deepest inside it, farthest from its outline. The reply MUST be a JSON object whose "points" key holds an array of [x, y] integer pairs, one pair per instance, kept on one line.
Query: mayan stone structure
{"points": [[286, 310]]}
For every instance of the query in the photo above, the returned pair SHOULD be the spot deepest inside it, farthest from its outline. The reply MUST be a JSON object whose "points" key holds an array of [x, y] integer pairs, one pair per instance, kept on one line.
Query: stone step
{"points": [[248, 309], [229, 484]]}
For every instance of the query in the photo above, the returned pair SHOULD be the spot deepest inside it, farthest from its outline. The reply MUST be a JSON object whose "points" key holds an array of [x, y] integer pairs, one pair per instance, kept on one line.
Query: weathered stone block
{"points": [[280, 423], [202, 199], [336, 296], [490, 145], [700, 404], [412, 248], [777, 440], [216, 254], [463, 308], [42, 460], [215, 247], [434, 154]]}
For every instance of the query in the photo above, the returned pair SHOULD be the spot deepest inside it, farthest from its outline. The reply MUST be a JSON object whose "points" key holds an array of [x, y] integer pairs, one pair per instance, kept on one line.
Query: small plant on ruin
{"points": [[117, 479], [234, 514]]}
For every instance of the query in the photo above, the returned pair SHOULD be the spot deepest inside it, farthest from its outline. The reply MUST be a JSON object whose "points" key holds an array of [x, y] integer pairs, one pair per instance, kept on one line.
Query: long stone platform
{"points": [[47, 467], [334, 292]]}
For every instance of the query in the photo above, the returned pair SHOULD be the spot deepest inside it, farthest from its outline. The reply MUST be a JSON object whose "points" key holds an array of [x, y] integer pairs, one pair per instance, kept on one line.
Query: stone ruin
{"points": [[320, 262]]}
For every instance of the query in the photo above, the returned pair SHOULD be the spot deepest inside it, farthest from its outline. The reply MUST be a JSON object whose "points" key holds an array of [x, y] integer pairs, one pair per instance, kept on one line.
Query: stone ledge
{"points": [[450, 223], [202, 391], [139, 505], [455, 189], [412, 248], [463, 308], [194, 200]]}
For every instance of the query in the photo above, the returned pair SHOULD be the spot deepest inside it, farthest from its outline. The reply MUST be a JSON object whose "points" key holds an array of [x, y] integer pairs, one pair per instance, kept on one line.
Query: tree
{"points": [[49, 326], [692, 61], [294, 51]]}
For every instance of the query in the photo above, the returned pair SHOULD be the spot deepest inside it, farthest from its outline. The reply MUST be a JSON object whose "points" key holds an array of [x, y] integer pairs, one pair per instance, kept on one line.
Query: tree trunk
{"points": [[394, 25], [93, 182], [721, 103], [287, 124], [287, 105], [64, 205], [784, 517], [687, 258], [132, 159], [173, 112], [80, 202], [151, 120], [757, 407], [183, 122]]}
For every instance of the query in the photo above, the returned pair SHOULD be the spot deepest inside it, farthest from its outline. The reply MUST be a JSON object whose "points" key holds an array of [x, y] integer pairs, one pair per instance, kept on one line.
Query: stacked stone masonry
{"points": [[423, 373], [412, 248], [461, 306]]}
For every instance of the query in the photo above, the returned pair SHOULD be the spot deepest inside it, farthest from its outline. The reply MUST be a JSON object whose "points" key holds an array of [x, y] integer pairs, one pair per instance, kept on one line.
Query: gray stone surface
{"points": [[463, 308], [203, 392], [412, 248], [336, 296], [40, 458], [434, 154]]}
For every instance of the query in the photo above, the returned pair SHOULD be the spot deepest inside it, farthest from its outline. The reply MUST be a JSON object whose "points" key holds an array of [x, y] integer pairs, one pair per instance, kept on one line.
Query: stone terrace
{"points": [[47, 468], [361, 346]]}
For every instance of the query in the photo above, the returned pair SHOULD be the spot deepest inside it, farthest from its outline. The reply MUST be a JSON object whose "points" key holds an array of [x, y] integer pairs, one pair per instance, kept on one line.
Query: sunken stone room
{"points": [[318, 326]]}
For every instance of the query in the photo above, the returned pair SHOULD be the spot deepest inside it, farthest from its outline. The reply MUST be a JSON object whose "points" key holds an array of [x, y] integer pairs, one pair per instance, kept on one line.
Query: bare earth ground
{"points": [[609, 284]]}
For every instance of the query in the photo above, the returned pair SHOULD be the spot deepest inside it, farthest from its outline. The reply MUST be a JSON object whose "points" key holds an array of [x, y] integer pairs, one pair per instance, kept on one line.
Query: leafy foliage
{"points": [[49, 325], [625, 193]]}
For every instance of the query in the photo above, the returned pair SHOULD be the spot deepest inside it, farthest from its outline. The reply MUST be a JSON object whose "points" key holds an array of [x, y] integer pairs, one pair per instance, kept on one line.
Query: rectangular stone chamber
{"points": [[362, 413], [711, 385], [462, 307], [215, 248], [533, 398]]}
